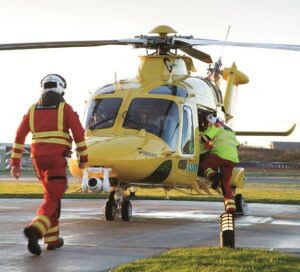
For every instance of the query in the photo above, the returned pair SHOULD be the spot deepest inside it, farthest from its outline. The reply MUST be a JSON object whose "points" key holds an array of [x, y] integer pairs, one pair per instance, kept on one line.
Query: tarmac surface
{"points": [[94, 244]]}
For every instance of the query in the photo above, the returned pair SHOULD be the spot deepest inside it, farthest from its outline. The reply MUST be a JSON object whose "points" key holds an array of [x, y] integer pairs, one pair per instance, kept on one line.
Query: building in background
{"points": [[285, 145], [5, 154]]}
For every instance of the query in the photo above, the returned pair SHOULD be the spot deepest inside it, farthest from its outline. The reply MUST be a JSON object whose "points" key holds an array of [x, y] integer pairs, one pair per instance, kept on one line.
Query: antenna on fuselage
{"points": [[226, 37], [214, 71]]}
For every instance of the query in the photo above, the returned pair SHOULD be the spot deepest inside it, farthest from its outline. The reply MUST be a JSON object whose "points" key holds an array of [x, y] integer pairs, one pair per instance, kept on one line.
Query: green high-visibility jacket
{"points": [[224, 142]]}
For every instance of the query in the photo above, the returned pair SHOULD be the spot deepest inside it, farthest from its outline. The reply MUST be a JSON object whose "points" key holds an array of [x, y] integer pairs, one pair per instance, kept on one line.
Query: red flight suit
{"points": [[51, 142]]}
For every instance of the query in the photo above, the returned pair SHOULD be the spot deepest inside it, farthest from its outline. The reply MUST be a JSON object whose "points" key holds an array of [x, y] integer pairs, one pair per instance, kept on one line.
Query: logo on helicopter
{"points": [[146, 153]]}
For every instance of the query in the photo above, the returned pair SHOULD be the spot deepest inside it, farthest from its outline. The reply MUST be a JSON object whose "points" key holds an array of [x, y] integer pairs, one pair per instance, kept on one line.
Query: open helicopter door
{"points": [[186, 163]]}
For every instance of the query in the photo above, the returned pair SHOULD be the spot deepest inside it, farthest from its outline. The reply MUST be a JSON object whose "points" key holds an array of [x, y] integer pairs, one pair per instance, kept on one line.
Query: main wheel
{"points": [[109, 210], [126, 210], [241, 206]]}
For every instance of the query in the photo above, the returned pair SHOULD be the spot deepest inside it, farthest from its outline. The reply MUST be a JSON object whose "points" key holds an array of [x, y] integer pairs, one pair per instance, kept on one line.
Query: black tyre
{"points": [[240, 204], [126, 210], [109, 210]]}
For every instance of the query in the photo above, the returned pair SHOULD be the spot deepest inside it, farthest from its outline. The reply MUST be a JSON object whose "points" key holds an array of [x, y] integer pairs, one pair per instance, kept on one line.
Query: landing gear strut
{"points": [[118, 203]]}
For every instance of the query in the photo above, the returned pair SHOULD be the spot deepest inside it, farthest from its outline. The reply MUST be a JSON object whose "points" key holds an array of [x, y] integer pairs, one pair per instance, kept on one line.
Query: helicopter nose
{"points": [[107, 153]]}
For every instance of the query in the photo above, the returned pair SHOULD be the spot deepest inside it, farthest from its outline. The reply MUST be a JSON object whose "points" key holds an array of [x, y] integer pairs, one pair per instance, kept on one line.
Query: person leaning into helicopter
{"points": [[223, 155], [49, 121]]}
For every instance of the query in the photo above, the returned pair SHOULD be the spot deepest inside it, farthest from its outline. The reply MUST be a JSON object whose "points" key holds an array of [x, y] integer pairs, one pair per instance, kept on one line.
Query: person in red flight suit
{"points": [[50, 122], [222, 144]]}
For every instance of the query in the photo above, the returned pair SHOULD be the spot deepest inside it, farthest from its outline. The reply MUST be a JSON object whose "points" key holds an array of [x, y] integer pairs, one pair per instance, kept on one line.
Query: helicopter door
{"points": [[187, 164]]}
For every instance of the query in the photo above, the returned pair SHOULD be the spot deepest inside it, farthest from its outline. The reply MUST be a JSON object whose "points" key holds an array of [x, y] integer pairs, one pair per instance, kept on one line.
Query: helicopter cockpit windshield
{"points": [[101, 113], [157, 116]]}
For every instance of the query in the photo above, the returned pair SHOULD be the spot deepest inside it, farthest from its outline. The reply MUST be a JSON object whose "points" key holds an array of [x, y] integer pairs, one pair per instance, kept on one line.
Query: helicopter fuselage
{"points": [[146, 130]]}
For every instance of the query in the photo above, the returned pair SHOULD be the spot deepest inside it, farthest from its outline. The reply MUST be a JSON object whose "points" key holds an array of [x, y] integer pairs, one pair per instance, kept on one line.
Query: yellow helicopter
{"points": [[145, 131]]}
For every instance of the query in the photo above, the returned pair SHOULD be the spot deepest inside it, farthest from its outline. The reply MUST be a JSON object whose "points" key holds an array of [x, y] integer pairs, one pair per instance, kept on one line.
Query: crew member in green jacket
{"points": [[223, 155]]}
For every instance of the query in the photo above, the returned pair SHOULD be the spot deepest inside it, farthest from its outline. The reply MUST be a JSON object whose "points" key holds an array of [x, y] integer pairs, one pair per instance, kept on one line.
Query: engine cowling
{"points": [[95, 184]]}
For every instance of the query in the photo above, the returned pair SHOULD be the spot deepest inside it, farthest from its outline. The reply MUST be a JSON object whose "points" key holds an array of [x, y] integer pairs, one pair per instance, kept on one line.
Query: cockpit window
{"points": [[157, 116], [170, 90], [101, 113]]}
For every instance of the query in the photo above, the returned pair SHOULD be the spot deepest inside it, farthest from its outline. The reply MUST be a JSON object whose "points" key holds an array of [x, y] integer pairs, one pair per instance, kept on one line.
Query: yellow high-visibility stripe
{"points": [[80, 144], [208, 171], [16, 155], [18, 146], [60, 117], [44, 219], [53, 229], [37, 137], [44, 134], [52, 141], [229, 201], [31, 118], [50, 239], [40, 226]]}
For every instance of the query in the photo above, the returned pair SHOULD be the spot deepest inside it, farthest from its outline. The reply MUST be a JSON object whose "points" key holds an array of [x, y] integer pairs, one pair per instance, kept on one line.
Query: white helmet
{"points": [[54, 83], [211, 119]]}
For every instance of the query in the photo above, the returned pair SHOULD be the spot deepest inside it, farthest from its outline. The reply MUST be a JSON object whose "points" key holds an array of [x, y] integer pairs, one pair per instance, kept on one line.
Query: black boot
{"points": [[216, 180], [33, 241]]}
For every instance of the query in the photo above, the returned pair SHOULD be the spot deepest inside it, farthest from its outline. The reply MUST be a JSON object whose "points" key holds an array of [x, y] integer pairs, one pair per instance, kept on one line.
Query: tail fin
{"points": [[234, 77]]}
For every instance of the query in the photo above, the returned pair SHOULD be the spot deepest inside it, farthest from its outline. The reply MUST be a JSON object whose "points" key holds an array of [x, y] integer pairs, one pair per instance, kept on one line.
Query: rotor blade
{"points": [[266, 133], [195, 41], [62, 44], [197, 54]]}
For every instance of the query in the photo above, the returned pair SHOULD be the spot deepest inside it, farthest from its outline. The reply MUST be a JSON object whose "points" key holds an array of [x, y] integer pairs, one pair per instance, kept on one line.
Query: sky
{"points": [[270, 101]]}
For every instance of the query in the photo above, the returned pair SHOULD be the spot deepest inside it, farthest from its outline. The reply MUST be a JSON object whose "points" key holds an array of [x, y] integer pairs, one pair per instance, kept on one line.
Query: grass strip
{"points": [[216, 260]]}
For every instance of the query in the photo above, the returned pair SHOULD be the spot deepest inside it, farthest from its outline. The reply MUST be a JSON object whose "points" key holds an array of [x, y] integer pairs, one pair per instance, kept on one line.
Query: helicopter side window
{"points": [[187, 143], [170, 90], [156, 116], [101, 113]]}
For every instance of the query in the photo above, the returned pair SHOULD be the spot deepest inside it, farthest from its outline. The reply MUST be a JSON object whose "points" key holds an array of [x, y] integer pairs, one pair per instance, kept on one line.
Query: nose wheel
{"points": [[118, 203], [110, 209], [126, 210]]}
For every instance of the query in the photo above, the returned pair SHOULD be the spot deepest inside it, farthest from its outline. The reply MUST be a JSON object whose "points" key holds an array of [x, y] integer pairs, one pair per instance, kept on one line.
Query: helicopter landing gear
{"points": [[110, 207], [118, 203], [241, 205], [126, 210], [227, 235]]}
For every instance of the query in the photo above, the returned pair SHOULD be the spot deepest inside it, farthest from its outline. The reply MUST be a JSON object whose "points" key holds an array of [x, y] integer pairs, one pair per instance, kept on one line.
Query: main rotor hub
{"points": [[162, 30]]}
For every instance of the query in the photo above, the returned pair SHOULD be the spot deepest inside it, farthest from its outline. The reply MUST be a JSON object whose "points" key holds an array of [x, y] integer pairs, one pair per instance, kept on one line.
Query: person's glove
{"points": [[208, 145], [15, 171]]}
